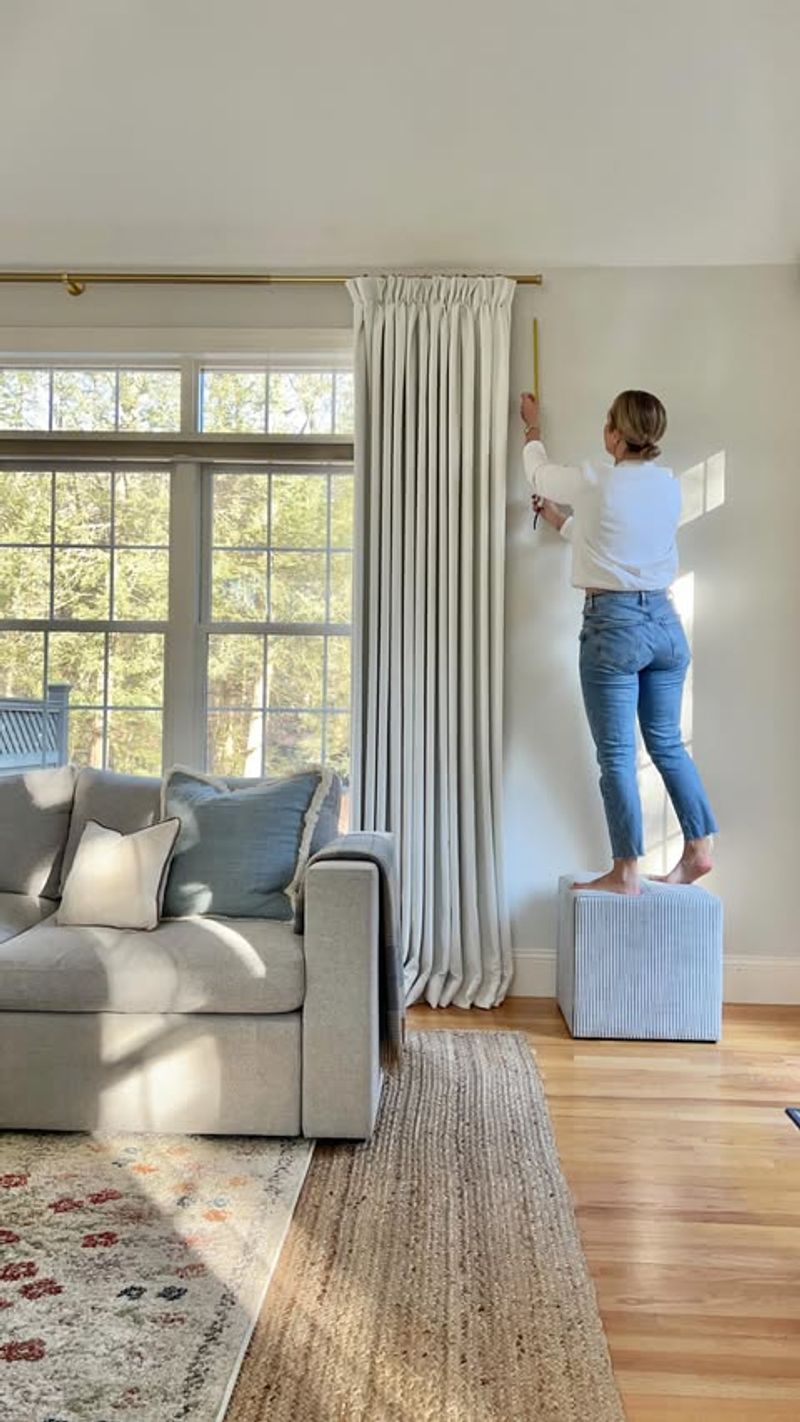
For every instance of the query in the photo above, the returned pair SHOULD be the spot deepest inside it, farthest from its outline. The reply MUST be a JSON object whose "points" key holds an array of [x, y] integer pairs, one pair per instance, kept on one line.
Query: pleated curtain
{"points": [[431, 378]]}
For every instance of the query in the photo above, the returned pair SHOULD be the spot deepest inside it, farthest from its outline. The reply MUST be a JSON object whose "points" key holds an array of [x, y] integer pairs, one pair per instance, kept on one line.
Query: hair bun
{"points": [[641, 420]]}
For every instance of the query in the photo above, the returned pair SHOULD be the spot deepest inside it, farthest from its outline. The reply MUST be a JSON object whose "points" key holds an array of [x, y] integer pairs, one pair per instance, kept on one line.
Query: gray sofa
{"points": [[208, 1025]]}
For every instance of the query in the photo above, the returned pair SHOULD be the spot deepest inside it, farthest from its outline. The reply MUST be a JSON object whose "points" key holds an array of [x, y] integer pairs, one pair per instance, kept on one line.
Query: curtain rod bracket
{"points": [[74, 288]]}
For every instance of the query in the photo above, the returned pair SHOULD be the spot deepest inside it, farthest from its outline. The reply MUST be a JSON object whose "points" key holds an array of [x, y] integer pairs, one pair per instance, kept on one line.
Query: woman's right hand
{"points": [[529, 410]]}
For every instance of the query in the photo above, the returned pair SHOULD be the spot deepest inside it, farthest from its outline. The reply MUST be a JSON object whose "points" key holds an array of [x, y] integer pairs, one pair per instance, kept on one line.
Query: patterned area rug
{"points": [[132, 1269], [436, 1273]]}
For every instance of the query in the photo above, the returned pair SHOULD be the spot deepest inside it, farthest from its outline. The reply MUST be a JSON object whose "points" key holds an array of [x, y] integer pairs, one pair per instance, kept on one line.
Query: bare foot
{"points": [[685, 872], [693, 864], [615, 883]]}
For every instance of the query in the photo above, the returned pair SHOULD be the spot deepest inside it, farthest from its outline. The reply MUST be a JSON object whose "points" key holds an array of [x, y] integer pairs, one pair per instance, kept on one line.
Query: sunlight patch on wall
{"points": [[703, 487], [683, 598], [662, 834]]}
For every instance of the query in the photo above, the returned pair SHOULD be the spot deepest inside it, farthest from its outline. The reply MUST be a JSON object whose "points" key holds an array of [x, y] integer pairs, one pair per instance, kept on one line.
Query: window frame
{"points": [[118, 364], [191, 368], [187, 453], [307, 364], [267, 627], [103, 626]]}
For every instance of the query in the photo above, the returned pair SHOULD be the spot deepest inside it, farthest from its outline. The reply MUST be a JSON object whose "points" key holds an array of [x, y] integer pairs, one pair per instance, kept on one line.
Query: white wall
{"points": [[339, 136], [34, 315], [721, 346]]}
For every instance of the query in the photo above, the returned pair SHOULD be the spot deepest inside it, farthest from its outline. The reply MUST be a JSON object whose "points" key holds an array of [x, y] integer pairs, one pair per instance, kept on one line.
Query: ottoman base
{"points": [[646, 968]]}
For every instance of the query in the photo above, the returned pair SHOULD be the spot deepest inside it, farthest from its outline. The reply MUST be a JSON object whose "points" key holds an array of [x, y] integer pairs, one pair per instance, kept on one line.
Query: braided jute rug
{"points": [[437, 1272]]}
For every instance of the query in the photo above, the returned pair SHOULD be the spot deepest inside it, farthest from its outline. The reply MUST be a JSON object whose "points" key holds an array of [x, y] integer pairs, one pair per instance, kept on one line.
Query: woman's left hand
{"points": [[549, 511], [529, 409]]}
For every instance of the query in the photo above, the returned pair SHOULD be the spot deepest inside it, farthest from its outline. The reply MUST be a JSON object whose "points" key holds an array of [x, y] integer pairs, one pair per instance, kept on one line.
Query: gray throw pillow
{"points": [[240, 853], [35, 808], [122, 802]]}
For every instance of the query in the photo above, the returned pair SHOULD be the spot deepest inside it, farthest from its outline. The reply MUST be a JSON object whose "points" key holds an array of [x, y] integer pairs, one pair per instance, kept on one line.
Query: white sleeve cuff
{"points": [[533, 455], [567, 528]]}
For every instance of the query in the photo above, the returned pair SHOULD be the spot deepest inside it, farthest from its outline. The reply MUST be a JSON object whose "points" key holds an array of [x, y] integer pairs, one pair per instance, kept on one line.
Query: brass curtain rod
{"points": [[77, 282]]}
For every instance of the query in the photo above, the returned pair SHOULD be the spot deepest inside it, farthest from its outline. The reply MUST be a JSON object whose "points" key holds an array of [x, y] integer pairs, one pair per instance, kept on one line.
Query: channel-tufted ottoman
{"points": [[647, 967]]}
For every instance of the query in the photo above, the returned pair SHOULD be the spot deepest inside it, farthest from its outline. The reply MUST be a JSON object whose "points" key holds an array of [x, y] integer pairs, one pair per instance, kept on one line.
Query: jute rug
{"points": [[436, 1273], [132, 1270]]}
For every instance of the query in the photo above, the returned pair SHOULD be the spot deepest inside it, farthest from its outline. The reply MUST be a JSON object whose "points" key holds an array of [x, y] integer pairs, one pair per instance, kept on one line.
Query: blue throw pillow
{"points": [[327, 827], [240, 853]]}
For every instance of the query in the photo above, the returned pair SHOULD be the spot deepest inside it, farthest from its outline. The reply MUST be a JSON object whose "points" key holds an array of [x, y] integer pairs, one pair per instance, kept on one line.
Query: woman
{"points": [[634, 654]]}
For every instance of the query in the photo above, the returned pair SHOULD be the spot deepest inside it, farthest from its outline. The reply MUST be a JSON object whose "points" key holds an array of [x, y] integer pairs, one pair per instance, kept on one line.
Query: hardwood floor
{"points": [[685, 1173]]}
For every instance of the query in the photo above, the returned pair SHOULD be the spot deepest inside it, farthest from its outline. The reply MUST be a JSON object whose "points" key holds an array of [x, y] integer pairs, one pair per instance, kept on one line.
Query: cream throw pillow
{"points": [[118, 880]]}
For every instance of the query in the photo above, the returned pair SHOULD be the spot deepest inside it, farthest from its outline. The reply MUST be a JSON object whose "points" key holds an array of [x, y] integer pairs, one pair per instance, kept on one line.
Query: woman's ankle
{"points": [[699, 850], [626, 870]]}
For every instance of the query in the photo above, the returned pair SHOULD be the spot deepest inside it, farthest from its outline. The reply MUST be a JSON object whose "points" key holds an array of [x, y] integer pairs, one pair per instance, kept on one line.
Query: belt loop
{"points": [[642, 598]]}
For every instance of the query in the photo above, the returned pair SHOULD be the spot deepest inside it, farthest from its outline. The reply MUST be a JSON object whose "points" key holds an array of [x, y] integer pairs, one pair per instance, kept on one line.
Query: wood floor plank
{"points": [[646, 1408], [685, 1173]]}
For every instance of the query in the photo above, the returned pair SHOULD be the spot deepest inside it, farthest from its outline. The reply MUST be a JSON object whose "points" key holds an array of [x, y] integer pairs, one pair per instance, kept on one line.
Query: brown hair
{"points": [[641, 420]]}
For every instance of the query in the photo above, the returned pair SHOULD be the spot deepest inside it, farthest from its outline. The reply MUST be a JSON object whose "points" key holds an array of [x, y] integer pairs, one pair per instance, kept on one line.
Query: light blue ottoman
{"points": [[647, 967]]}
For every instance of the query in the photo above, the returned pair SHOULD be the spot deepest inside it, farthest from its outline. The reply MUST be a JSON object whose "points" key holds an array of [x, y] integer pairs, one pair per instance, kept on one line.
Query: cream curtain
{"points": [[431, 375]]}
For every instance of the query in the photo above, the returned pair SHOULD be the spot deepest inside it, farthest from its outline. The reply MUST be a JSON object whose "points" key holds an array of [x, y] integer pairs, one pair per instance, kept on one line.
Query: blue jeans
{"points": [[634, 657]]}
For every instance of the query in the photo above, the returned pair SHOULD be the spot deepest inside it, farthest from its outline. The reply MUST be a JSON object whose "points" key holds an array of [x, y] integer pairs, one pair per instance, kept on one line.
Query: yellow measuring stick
{"points": [[536, 357], [535, 379]]}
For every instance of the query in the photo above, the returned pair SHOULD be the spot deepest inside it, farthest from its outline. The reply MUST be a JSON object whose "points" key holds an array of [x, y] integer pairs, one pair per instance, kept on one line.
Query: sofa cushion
{"points": [[35, 809], [240, 853], [119, 880], [184, 965], [122, 802], [21, 911]]}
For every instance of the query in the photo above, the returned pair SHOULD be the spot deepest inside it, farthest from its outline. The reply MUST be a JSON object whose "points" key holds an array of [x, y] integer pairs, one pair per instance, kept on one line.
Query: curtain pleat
{"points": [[431, 377]]}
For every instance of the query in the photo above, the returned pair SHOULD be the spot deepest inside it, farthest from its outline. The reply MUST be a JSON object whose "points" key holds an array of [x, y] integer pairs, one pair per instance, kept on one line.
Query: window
{"points": [[90, 398], [269, 401], [84, 576], [279, 610], [116, 638]]}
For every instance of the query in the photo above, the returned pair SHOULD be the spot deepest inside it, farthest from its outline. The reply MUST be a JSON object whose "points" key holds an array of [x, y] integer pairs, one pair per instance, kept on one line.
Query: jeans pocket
{"points": [[678, 641], [611, 646]]}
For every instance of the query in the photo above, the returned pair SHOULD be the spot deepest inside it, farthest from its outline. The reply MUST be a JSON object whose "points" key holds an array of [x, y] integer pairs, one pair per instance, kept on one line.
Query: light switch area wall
{"points": [[721, 347]]}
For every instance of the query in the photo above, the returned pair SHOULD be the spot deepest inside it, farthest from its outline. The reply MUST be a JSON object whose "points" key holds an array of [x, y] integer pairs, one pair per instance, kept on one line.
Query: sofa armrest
{"points": [[341, 1063]]}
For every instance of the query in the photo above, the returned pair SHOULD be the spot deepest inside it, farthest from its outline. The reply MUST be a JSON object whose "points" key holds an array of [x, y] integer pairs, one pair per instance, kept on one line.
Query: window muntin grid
{"points": [[84, 601], [108, 563], [266, 400], [92, 398], [278, 642]]}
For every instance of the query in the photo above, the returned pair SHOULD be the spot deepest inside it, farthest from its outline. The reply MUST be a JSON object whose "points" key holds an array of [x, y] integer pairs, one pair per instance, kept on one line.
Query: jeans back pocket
{"points": [[613, 644], [680, 651]]}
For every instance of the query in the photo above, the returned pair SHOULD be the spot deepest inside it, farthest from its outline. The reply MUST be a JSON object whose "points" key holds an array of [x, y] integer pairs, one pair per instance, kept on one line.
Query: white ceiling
{"points": [[508, 134]]}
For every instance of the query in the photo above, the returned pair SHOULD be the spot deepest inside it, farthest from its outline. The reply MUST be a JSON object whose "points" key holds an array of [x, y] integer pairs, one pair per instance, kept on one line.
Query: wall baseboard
{"points": [[765, 980], [771, 980], [534, 974]]}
